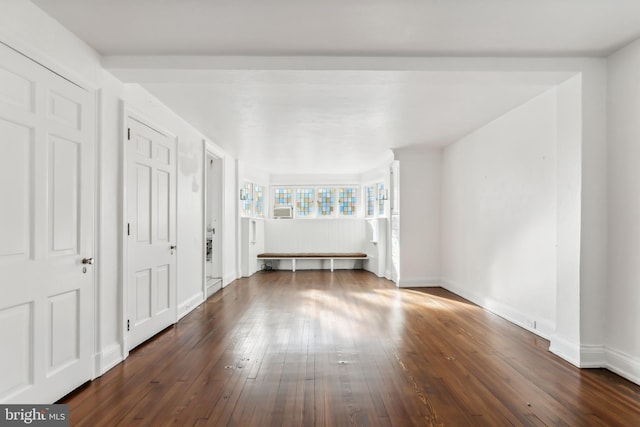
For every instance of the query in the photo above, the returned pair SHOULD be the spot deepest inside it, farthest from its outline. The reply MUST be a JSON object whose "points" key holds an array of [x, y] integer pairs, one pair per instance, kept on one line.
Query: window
{"points": [[382, 196], [252, 200], [375, 197], [258, 196], [304, 202], [370, 199], [320, 202], [283, 197], [326, 201], [247, 199], [347, 201]]}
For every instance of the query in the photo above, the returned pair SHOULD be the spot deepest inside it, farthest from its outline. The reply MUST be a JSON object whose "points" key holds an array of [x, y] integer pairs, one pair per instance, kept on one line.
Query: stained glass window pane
{"points": [[304, 202], [370, 200], [258, 195], [347, 201], [326, 201], [283, 197], [247, 203], [381, 197]]}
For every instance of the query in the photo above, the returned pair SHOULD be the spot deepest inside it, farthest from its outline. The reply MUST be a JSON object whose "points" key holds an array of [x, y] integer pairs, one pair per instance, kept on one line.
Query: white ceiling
{"points": [[300, 120], [350, 27], [303, 117]]}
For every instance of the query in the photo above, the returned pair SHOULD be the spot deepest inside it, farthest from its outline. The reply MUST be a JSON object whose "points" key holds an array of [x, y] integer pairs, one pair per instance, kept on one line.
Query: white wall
{"points": [[622, 289], [594, 235], [316, 235], [108, 221], [420, 187], [376, 246], [231, 225], [252, 244], [499, 215], [252, 174], [566, 339]]}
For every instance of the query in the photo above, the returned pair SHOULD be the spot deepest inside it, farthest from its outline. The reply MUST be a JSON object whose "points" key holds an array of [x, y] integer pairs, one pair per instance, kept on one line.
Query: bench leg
{"points": [[332, 265], [293, 264]]}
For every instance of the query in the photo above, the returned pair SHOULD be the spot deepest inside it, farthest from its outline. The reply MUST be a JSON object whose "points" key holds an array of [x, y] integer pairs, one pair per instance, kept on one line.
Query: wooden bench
{"points": [[294, 256]]}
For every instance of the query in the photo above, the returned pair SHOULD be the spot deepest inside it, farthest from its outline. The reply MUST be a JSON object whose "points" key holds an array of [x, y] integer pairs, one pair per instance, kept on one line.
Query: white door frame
{"points": [[211, 150], [126, 112]]}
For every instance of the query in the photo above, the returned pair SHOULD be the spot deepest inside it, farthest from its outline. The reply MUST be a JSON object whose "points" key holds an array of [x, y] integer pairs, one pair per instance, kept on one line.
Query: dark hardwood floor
{"points": [[316, 348]]}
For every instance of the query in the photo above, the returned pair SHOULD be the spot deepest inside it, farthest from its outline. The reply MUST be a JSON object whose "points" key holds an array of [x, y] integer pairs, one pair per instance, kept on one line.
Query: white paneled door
{"points": [[151, 232], [46, 231]]}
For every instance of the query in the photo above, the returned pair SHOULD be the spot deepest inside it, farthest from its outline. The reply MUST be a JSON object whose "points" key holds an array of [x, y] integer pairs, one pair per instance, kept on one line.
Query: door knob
{"points": [[173, 248], [87, 260]]}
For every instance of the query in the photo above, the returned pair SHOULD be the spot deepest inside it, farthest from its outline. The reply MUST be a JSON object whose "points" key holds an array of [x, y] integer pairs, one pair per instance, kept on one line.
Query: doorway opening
{"points": [[214, 173]]}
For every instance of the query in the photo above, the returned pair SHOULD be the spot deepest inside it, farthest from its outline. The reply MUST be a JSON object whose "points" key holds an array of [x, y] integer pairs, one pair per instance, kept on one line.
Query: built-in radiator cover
{"points": [[283, 212]]}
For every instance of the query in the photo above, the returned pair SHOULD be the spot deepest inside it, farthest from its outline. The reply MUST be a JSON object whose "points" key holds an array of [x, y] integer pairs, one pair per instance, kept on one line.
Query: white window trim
{"points": [[252, 210], [376, 211]]}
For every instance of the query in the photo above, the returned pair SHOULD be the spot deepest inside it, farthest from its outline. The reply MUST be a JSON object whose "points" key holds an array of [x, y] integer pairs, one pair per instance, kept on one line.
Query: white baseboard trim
{"points": [[377, 272], [228, 279], [566, 349], [543, 328], [109, 357], [593, 356], [581, 356], [623, 364], [189, 305], [419, 282], [213, 286]]}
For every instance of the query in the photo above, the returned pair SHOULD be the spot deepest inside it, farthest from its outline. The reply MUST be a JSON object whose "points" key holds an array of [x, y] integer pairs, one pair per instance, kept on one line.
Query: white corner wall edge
{"points": [[419, 282], [623, 364], [190, 304], [543, 329], [109, 357], [566, 349], [592, 356], [229, 278]]}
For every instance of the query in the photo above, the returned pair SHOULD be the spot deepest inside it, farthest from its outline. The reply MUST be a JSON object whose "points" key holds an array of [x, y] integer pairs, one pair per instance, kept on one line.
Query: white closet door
{"points": [[46, 230], [151, 212]]}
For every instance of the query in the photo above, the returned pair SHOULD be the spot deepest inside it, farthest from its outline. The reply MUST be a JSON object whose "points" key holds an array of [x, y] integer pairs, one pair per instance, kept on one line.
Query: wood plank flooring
{"points": [[315, 348]]}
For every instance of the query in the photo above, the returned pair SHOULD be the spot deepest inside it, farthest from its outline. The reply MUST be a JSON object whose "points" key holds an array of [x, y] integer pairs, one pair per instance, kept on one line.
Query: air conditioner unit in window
{"points": [[283, 212]]}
